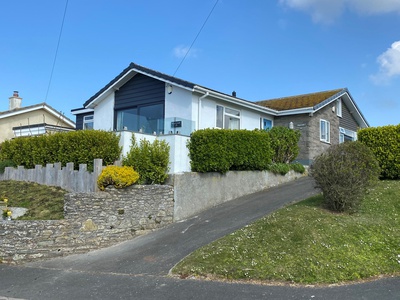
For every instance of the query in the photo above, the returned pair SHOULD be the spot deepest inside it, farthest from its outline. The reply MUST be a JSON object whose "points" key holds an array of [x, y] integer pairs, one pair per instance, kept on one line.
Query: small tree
{"points": [[344, 172], [150, 160]]}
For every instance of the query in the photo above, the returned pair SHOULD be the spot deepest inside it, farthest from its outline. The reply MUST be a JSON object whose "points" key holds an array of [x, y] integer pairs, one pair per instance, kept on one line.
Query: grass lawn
{"points": [[43, 202], [304, 243]]}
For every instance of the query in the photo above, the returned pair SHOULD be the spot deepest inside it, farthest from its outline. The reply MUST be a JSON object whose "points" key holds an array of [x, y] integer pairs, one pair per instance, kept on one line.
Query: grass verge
{"points": [[43, 202], [304, 243]]}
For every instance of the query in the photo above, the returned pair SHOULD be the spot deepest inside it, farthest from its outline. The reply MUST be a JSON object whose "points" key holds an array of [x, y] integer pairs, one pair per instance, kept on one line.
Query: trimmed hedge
{"points": [[385, 144], [284, 142], [221, 150], [79, 147]]}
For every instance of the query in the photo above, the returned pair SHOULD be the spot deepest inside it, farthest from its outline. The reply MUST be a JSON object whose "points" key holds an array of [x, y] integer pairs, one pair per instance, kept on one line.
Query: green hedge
{"points": [[79, 147], [221, 150], [385, 144], [284, 142], [150, 160]]}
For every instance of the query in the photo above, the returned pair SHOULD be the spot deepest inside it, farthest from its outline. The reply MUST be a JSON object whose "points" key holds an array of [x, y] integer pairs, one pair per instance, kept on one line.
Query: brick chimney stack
{"points": [[15, 101]]}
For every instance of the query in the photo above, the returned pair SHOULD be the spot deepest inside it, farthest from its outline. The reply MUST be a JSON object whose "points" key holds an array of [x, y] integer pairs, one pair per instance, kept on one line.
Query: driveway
{"points": [[138, 269]]}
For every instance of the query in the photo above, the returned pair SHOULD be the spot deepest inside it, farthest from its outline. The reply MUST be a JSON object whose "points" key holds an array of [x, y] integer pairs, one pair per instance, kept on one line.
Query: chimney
{"points": [[233, 94], [15, 101]]}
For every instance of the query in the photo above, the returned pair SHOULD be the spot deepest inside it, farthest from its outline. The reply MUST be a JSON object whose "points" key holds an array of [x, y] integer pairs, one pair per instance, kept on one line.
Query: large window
{"points": [[88, 122], [227, 118], [324, 131], [146, 119]]}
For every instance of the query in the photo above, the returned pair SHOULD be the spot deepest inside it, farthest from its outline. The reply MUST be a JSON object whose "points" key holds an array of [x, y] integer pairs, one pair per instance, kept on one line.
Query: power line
{"points": [[58, 45], [187, 52]]}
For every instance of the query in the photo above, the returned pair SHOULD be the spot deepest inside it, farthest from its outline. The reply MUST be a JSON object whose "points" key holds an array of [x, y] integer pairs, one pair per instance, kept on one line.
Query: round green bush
{"points": [[344, 173]]}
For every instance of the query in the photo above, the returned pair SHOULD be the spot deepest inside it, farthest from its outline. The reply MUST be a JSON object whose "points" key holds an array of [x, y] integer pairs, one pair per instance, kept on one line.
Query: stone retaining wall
{"points": [[92, 221]]}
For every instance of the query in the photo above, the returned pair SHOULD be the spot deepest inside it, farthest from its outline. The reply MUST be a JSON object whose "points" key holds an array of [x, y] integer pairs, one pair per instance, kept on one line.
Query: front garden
{"points": [[306, 243]]}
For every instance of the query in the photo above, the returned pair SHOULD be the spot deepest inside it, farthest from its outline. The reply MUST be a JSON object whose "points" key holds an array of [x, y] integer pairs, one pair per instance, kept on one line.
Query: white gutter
{"points": [[82, 111], [237, 101], [297, 111], [199, 109]]}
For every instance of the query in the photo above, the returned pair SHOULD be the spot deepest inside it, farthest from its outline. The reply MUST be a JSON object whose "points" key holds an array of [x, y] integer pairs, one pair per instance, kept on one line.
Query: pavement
{"points": [[139, 268]]}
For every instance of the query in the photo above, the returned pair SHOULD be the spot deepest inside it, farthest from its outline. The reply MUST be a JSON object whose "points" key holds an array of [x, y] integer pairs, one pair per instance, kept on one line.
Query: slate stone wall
{"points": [[92, 221]]}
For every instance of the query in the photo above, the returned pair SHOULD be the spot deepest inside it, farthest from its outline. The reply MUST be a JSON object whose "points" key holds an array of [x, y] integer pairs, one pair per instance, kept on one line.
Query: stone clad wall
{"points": [[309, 127], [92, 221]]}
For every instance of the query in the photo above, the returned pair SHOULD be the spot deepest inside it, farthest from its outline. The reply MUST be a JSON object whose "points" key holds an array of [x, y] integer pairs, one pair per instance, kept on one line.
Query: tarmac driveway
{"points": [[138, 269]]}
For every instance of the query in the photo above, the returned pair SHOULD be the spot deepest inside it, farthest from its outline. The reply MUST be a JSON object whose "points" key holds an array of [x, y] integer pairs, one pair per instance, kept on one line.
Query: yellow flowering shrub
{"points": [[117, 176]]}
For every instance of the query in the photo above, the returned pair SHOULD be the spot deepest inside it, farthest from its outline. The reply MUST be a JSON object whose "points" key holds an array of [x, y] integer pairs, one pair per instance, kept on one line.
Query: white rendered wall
{"points": [[178, 104], [248, 119], [208, 113], [178, 153], [251, 120], [178, 107], [104, 114]]}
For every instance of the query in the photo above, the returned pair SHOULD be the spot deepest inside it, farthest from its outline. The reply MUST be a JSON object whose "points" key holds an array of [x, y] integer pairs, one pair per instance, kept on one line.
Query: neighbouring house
{"points": [[31, 120], [324, 118], [153, 105]]}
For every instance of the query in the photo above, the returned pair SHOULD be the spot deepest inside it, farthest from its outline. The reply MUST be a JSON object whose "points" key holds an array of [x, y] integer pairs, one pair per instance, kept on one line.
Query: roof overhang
{"points": [[37, 107], [79, 111], [235, 100], [127, 75], [354, 110], [297, 111]]}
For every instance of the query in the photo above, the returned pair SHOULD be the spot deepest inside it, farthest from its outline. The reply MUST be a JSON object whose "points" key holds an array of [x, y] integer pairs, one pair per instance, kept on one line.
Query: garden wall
{"points": [[195, 192], [92, 221]]}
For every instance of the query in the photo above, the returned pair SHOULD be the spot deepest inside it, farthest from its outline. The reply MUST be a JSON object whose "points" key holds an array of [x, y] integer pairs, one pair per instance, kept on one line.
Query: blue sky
{"points": [[262, 49]]}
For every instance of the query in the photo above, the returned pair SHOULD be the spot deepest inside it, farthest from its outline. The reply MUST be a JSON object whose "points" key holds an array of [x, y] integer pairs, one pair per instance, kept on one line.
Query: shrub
{"points": [[151, 160], [279, 168], [385, 144], [79, 147], [119, 177], [6, 163], [297, 167], [284, 142], [344, 173], [221, 150]]}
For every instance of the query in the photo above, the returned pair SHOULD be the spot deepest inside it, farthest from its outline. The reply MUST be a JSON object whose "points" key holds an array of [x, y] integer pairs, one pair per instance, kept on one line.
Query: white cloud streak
{"points": [[182, 51], [326, 11], [389, 65]]}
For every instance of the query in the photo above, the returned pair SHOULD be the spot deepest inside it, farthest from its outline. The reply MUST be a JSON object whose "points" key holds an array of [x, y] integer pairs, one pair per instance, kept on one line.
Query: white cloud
{"points": [[182, 51], [389, 64], [326, 11], [375, 7]]}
